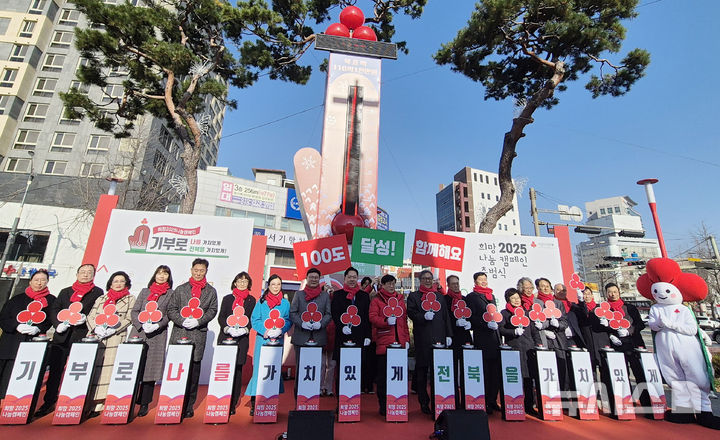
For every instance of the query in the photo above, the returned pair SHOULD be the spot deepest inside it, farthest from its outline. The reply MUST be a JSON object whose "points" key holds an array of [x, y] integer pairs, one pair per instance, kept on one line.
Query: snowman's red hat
{"points": [[690, 285]]}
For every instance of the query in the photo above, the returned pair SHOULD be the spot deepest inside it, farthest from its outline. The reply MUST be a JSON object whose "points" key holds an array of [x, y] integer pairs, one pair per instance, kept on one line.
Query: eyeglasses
{"points": [[426, 279]]}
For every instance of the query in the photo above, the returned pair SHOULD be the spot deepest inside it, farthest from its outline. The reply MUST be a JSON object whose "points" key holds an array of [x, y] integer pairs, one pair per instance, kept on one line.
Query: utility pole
{"points": [[534, 212], [715, 249]]}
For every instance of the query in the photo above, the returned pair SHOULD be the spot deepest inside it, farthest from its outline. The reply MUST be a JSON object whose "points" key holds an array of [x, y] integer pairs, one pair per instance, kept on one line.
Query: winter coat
{"points": [[76, 332], [298, 306], [11, 338], [198, 335], [260, 313], [426, 333], [523, 343], [338, 306], [460, 336], [559, 344], [157, 340], [485, 338], [243, 342], [384, 334]]}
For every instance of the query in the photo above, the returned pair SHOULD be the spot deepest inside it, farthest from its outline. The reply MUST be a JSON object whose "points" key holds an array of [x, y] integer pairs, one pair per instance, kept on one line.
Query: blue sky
{"points": [[434, 122]]}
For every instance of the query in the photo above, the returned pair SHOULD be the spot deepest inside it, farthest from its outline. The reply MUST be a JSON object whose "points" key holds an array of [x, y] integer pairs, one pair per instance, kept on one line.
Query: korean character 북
{"points": [[367, 245], [421, 247]]}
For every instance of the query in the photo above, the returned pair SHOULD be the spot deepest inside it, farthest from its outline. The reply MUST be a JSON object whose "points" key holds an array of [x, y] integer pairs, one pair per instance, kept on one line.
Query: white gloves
{"points": [[190, 323], [236, 332], [554, 322], [492, 325], [461, 322], [615, 340], [62, 327], [26, 329], [604, 321], [448, 341], [568, 333], [347, 330], [316, 326], [623, 332], [429, 316], [100, 331], [538, 325], [109, 332], [519, 331], [467, 325], [150, 327], [242, 331], [550, 334], [274, 333], [306, 326], [83, 318], [407, 345], [366, 342], [392, 320]]}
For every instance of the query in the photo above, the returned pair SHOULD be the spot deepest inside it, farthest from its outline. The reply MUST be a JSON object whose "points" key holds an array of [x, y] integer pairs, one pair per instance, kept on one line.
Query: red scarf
{"points": [[351, 291], [312, 292], [566, 303], [617, 306], [545, 297], [485, 291], [425, 290], [590, 305], [368, 288], [510, 308], [157, 290], [115, 295], [273, 300], [39, 295], [80, 289], [385, 295], [240, 296], [197, 286], [527, 301], [455, 296]]}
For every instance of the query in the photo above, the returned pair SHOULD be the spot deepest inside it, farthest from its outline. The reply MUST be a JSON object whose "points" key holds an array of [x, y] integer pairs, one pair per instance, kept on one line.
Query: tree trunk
{"points": [[507, 189], [191, 159]]}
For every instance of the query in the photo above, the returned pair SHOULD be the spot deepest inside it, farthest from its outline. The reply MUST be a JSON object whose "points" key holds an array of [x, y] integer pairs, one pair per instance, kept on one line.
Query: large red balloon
{"points": [[352, 17], [346, 224], [364, 33], [338, 29]]}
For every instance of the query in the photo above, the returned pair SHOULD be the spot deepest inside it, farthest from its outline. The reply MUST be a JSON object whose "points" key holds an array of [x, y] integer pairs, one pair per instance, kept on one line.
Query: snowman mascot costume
{"points": [[679, 345]]}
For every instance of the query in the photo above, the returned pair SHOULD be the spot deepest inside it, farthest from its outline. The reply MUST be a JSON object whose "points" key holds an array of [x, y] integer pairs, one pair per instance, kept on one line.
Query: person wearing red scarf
{"points": [[527, 293], [486, 338], [194, 329], [238, 297], [385, 331], [589, 324], [154, 333], [85, 292], [431, 325], [13, 331], [572, 332], [307, 327], [461, 327], [553, 330], [118, 294]]}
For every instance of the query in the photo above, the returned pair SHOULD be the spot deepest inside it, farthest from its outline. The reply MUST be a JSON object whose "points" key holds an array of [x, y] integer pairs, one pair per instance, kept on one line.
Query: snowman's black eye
{"points": [[655, 291], [667, 290]]}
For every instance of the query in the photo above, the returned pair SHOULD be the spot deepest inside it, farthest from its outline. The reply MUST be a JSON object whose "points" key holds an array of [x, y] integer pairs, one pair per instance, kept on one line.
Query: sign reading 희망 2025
{"points": [[374, 246]]}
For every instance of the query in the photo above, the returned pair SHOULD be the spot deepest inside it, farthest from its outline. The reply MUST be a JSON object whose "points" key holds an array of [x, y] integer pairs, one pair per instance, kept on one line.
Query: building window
{"points": [[66, 118], [81, 88], [53, 62], [112, 91], [82, 62], [159, 161], [165, 139], [26, 139], [602, 211], [69, 17], [15, 165], [61, 39], [119, 71], [26, 29], [4, 25], [617, 210], [475, 177], [62, 142], [29, 246], [36, 111], [55, 167], [18, 52], [37, 6], [98, 144], [495, 181], [4, 101], [91, 169], [497, 199], [8, 77], [45, 87], [513, 222]]}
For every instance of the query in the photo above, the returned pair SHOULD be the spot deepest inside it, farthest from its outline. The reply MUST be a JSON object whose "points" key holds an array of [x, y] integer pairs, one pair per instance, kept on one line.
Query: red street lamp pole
{"points": [[648, 183]]}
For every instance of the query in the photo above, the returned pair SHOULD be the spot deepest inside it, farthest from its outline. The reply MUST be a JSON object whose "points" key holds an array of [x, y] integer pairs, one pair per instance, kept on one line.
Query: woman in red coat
{"points": [[387, 330]]}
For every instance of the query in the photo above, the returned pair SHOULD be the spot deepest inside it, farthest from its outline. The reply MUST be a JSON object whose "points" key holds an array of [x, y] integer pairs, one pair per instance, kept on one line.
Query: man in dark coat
{"points": [[351, 294], [486, 338], [429, 327], [573, 334], [461, 328], [193, 329], [625, 340], [553, 330], [85, 292]]}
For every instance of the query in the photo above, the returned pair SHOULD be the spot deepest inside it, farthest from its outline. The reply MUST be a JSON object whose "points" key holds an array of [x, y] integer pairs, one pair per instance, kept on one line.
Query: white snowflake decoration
{"points": [[308, 162], [179, 184], [200, 69]]}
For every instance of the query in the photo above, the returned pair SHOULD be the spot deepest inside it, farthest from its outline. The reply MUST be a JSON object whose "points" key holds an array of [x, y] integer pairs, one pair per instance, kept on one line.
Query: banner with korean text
{"points": [[75, 384], [308, 376], [268, 384], [550, 403], [620, 384], [438, 250], [584, 384], [473, 380], [512, 385], [222, 375], [397, 388], [349, 390], [653, 380], [444, 380], [374, 246], [175, 377], [328, 255], [123, 384], [25, 380]]}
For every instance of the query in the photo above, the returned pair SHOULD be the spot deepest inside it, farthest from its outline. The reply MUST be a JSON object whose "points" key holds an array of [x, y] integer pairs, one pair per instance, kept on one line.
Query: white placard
{"points": [[268, 384], [397, 388], [349, 392], [512, 385], [137, 241], [507, 258], [17, 406], [473, 379], [76, 381], [653, 380], [584, 385], [551, 404], [620, 384], [123, 383], [444, 380], [174, 383], [222, 376], [308, 375]]}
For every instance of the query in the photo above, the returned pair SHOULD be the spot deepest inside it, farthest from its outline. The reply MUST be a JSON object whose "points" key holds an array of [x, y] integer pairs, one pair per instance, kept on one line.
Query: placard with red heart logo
{"points": [[430, 304], [536, 314], [462, 311], [618, 321], [603, 311], [192, 310], [151, 313], [351, 317], [491, 314], [72, 315], [107, 318], [274, 321], [311, 314], [238, 318], [392, 309], [551, 311], [519, 319], [32, 315], [575, 282]]}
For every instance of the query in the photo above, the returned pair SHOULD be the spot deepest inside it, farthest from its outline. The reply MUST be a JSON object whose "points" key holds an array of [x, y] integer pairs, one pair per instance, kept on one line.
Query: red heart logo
{"points": [[72, 315], [519, 319], [238, 318], [536, 314], [461, 310], [350, 317], [491, 314], [151, 313], [551, 311], [311, 314]]}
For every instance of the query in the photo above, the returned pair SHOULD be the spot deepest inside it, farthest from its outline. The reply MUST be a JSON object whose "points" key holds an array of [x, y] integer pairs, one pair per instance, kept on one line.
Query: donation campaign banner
{"points": [[550, 404], [174, 384], [397, 385], [123, 384], [654, 383], [584, 384], [308, 376], [349, 390], [444, 380], [268, 384], [512, 385], [75, 384], [25, 380], [222, 376], [620, 384], [473, 379]]}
